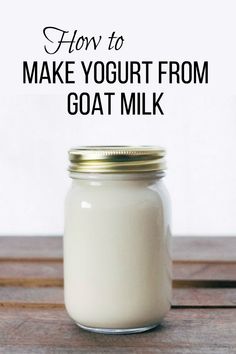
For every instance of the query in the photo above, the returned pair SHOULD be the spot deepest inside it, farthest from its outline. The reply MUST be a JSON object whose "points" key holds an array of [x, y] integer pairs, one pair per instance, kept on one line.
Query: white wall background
{"points": [[198, 129]]}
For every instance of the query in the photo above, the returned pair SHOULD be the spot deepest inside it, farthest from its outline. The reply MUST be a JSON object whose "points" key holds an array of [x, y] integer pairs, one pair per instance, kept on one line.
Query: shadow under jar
{"points": [[117, 265]]}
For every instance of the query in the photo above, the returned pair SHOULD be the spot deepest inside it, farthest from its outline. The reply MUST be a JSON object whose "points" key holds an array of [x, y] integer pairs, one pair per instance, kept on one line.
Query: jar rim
{"points": [[117, 159]]}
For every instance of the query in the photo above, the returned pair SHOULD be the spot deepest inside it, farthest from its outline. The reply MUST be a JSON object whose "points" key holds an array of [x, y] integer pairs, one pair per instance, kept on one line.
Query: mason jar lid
{"points": [[116, 159]]}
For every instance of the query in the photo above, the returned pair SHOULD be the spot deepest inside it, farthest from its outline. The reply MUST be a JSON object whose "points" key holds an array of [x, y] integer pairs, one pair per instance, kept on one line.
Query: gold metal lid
{"points": [[116, 159]]}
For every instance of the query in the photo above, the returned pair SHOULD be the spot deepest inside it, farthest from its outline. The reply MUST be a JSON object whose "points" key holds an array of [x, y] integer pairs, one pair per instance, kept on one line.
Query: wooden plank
{"points": [[183, 331], [203, 297], [31, 247], [204, 270], [17, 296], [184, 248], [47, 273], [50, 297], [31, 273], [204, 248]]}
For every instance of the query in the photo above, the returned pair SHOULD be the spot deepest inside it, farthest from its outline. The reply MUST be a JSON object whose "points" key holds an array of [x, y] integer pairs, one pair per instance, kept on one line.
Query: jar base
{"points": [[117, 330]]}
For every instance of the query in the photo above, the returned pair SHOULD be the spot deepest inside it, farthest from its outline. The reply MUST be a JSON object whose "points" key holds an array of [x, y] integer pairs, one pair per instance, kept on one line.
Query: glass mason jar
{"points": [[117, 264]]}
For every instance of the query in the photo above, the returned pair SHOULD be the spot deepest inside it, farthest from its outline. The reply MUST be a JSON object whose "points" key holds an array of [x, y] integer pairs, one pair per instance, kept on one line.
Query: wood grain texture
{"points": [[33, 319], [31, 248], [219, 249], [183, 248], [204, 270], [49, 297], [17, 296], [31, 273], [204, 297], [47, 273], [183, 331]]}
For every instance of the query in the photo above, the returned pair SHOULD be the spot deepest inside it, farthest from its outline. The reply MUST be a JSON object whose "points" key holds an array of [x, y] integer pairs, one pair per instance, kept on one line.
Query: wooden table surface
{"points": [[202, 318]]}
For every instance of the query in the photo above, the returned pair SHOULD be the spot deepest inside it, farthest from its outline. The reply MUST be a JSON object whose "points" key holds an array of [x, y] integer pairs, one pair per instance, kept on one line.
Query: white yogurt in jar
{"points": [[117, 266]]}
